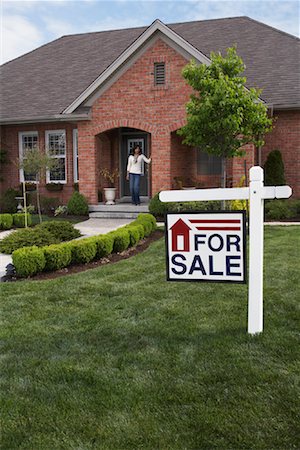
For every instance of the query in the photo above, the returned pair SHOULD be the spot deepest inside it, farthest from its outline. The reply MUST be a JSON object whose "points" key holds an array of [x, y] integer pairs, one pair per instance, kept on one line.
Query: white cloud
{"points": [[59, 27], [18, 36]]}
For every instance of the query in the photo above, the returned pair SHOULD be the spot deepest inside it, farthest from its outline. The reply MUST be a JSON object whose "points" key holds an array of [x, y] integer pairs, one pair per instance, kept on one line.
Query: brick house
{"points": [[91, 96]]}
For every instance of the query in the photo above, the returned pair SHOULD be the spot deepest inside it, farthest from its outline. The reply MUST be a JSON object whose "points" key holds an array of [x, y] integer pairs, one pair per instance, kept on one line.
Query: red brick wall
{"points": [[286, 137], [10, 141], [133, 101]]}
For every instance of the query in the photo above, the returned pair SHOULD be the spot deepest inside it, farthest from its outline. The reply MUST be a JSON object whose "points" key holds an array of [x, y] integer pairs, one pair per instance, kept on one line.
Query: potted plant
{"points": [[110, 192]]}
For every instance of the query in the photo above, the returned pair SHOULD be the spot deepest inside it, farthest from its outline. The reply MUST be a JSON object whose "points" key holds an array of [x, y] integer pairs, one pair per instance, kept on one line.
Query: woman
{"points": [[134, 172]]}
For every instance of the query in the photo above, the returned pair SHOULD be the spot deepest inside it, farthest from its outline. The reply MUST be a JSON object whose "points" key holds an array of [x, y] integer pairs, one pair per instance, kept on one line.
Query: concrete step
{"points": [[117, 211]]}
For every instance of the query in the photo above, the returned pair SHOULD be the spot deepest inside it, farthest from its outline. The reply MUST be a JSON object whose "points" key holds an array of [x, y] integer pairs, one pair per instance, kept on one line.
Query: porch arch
{"points": [[120, 123]]}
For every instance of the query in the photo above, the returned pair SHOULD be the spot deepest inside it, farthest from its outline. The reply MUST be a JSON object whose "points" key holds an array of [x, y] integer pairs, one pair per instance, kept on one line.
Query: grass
{"points": [[117, 358]]}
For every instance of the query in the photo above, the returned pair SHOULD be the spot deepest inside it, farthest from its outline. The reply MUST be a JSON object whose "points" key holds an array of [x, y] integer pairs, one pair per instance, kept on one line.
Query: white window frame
{"points": [[21, 155], [75, 155], [47, 134]]}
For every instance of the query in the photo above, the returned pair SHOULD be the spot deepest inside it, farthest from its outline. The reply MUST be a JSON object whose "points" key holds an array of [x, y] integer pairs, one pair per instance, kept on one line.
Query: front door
{"points": [[128, 144]]}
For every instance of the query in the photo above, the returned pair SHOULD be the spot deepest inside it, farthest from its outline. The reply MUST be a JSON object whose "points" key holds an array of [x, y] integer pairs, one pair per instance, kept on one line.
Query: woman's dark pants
{"points": [[134, 183]]}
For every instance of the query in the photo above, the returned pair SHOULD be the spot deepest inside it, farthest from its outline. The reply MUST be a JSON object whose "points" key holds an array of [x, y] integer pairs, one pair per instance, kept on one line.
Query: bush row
{"points": [[32, 260], [7, 221], [46, 233], [159, 209]]}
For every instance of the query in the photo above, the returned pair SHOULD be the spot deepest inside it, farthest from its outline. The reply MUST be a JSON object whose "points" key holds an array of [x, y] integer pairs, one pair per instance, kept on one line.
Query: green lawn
{"points": [[45, 218], [117, 358]]}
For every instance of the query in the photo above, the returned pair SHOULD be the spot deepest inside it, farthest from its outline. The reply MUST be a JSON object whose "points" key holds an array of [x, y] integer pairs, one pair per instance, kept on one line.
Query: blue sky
{"points": [[27, 24]]}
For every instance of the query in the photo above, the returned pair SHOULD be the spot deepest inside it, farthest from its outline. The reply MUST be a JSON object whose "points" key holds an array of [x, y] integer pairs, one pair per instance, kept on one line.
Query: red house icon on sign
{"points": [[180, 236]]}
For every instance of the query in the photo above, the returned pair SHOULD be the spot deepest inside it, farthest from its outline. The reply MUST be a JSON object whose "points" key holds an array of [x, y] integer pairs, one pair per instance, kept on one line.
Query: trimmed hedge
{"points": [[29, 261], [83, 250], [6, 221], [121, 240], [57, 256], [19, 220]]}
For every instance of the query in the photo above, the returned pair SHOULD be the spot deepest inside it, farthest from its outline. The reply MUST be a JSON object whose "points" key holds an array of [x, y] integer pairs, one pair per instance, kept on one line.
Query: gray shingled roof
{"points": [[47, 80]]}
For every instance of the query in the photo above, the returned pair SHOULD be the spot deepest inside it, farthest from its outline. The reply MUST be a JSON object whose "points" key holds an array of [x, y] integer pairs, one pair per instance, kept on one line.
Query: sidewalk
{"points": [[90, 227]]}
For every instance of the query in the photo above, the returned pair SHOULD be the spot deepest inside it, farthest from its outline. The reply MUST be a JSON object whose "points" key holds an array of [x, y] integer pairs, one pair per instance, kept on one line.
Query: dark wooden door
{"points": [[128, 143]]}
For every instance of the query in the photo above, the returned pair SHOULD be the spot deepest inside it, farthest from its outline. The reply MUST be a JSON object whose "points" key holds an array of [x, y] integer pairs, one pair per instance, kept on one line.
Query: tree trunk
{"points": [[25, 203], [38, 203], [224, 179]]}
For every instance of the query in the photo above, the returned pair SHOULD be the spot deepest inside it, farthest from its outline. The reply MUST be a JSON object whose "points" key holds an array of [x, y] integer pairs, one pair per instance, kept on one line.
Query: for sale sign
{"points": [[206, 246]]}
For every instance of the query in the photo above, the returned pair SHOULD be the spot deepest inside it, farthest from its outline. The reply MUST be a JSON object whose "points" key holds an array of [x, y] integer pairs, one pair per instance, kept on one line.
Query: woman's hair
{"points": [[136, 146]]}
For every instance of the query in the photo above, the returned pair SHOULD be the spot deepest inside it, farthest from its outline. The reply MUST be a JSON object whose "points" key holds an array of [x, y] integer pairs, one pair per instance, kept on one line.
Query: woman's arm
{"points": [[147, 160], [129, 164]]}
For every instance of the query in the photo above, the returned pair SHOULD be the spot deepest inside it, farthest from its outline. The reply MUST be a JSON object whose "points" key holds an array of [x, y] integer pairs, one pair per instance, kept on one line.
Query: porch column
{"points": [[87, 162], [161, 164]]}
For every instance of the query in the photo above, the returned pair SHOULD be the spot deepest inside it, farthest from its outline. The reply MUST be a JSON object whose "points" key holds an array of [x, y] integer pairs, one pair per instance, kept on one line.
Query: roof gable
{"points": [[156, 26]]}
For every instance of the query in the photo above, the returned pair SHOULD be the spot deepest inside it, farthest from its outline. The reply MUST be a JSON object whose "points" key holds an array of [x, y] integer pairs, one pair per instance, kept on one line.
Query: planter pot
{"points": [[110, 195]]}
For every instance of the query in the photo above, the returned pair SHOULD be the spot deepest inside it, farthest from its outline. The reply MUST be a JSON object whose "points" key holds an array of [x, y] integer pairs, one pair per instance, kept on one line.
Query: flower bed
{"points": [[32, 260]]}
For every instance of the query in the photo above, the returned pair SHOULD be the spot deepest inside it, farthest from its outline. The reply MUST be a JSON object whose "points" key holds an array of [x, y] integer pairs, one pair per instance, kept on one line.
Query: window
{"points": [[75, 155], [56, 147], [159, 73], [208, 164], [27, 141]]}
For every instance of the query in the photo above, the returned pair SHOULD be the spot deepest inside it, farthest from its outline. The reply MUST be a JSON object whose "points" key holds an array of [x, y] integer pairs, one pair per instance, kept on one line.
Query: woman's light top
{"points": [[135, 164]]}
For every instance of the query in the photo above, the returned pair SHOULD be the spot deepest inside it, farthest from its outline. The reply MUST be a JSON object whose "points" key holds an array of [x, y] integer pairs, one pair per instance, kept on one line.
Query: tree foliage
{"points": [[222, 114]]}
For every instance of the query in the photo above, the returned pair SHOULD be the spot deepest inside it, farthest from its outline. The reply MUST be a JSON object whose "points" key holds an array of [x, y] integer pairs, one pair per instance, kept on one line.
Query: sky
{"points": [[28, 24]]}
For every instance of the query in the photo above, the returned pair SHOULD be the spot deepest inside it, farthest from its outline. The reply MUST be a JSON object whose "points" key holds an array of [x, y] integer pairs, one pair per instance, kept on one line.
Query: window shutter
{"points": [[159, 73]]}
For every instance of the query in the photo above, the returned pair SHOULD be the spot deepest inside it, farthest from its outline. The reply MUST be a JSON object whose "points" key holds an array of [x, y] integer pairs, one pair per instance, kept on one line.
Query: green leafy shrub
{"points": [[150, 219], [19, 220], [78, 205], [27, 238], [104, 245], [8, 201], [84, 250], [121, 240], [6, 221], [62, 230], [274, 169], [159, 209], [57, 256], [134, 234], [281, 209], [28, 261], [147, 225]]}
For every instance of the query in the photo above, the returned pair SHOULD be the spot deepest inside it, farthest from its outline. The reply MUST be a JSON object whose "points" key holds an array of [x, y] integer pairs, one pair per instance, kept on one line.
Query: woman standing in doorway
{"points": [[134, 172]]}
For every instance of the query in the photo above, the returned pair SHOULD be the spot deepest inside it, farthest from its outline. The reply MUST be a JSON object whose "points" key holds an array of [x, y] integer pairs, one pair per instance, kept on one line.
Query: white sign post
{"points": [[256, 193]]}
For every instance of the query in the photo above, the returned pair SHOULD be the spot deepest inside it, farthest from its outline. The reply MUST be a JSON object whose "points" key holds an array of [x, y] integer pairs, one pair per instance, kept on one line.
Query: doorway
{"points": [[128, 141]]}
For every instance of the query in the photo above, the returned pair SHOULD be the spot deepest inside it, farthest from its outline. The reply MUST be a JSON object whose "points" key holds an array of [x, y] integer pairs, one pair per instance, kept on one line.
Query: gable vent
{"points": [[159, 73]]}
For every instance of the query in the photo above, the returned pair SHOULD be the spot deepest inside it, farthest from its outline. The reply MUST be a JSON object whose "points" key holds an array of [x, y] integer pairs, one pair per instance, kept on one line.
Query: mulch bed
{"points": [[111, 259]]}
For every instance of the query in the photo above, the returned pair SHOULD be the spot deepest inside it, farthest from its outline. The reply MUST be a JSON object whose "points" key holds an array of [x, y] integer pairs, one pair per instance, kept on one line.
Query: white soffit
{"points": [[156, 26]]}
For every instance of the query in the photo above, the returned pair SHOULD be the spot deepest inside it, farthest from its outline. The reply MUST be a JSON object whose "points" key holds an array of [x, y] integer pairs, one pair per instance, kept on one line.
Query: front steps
{"points": [[117, 211]]}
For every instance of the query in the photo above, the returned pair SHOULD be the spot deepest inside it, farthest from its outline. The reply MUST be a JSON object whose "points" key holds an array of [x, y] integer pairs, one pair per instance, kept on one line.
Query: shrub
{"points": [[28, 261], [104, 245], [8, 201], [57, 256], [134, 234], [62, 230], [27, 238], [78, 205], [280, 209], [19, 220], [150, 219], [159, 209], [6, 221], [83, 251], [121, 240], [147, 225], [274, 169]]}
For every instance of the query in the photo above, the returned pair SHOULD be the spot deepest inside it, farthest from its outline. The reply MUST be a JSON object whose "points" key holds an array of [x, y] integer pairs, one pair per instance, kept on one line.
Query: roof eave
{"points": [[41, 119], [157, 25]]}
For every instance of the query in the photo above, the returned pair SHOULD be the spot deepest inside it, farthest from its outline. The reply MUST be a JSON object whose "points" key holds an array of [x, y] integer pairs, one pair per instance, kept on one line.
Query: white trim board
{"points": [[157, 25]]}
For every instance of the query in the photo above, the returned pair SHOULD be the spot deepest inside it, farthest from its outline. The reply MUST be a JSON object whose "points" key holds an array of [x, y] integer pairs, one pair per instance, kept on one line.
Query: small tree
{"points": [[35, 162], [274, 169], [222, 114]]}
